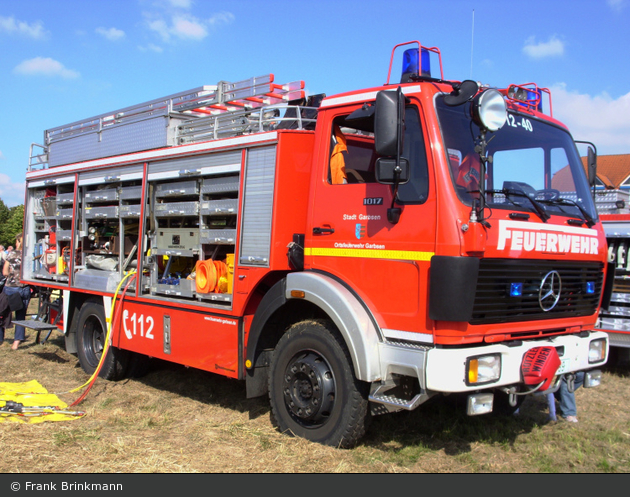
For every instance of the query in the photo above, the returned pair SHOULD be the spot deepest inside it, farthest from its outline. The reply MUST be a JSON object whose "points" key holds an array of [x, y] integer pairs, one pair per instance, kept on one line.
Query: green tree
{"points": [[4, 216], [15, 223], [11, 223]]}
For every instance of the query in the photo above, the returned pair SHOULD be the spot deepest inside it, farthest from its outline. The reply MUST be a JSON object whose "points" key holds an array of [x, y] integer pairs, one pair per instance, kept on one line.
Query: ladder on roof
{"points": [[243, 95], [109, 134], [205, 100]]}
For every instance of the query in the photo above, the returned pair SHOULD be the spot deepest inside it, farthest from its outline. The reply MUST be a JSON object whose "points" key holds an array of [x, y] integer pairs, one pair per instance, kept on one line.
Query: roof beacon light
{"points": [[416, 63], [410, 64], [528, 96]]}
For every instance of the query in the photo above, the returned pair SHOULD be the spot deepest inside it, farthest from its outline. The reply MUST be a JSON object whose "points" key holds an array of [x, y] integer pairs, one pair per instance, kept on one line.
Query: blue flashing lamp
{"points": [[409, 65], [414, 64], [516, 289], [426, 63], [410, 61], [532, 96], [590, 287]]}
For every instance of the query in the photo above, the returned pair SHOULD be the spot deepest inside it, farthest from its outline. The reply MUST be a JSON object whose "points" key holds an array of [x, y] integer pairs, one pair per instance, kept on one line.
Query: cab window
{"points": [[353, 158]]}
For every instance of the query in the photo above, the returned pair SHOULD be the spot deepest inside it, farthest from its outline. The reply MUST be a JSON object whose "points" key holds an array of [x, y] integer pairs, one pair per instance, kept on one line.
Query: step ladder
{"points": [[142, 127], [40, 322]]}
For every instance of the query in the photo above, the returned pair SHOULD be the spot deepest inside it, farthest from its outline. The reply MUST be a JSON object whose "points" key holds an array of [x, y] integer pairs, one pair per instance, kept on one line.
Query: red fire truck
{"points": [[613, 207], [346, 255]]}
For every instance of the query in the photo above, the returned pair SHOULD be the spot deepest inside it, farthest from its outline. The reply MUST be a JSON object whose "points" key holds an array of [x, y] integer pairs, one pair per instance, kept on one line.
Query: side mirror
{"points": [[592, 166], [391, 172], [591, 162], [387, 122]]}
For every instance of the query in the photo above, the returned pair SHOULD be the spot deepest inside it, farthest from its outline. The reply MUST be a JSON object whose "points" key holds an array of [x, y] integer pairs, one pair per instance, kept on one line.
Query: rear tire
{"points": [[312, 388], [91, 333]]}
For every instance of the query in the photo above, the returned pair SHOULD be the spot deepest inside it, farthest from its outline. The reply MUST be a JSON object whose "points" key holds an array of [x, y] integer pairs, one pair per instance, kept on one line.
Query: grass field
{"points": [[182, 420]]}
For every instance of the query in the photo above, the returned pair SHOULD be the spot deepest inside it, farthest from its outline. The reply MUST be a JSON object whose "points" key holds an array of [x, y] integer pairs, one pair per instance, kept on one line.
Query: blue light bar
{"points": [[411, 64], [410, 61], [426, 63], [516, 289], [532, 96], [590, 287]]}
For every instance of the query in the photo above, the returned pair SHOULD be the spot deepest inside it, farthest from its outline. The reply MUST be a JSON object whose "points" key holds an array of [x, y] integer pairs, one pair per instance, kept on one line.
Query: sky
{"points": [[66, 60]]}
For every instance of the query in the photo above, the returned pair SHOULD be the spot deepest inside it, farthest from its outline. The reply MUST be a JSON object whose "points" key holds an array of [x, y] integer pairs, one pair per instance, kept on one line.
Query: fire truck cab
{"points": [[347, 255]]}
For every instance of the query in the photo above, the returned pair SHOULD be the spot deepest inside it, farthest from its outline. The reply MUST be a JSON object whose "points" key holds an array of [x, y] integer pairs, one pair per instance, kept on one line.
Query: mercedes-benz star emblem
{"points": [[550, 288]]}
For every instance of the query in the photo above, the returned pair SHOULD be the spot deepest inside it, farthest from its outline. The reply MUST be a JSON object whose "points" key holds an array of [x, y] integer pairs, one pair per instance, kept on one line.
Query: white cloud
{"points": [[111, 34], [185, 26], [617, 5], [601, 119], [12, 26], [181, 4], [221, 18], [151, 48], [1, 155], [11, 193], [40, 66], [552, 48]]}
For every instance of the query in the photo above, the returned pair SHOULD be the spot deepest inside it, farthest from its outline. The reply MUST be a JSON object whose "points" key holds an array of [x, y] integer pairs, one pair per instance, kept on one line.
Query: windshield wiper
{"points": [[567, 201], [538, 207]]}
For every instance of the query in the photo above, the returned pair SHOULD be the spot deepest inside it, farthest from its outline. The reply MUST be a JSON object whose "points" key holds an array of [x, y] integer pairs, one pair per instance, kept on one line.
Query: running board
{"points": [[38, 326], [33, 324], [392, 403]]}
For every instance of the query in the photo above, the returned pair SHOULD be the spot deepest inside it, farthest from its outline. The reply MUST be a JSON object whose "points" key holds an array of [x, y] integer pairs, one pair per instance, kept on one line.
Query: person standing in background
{"points": [[11, 269]]}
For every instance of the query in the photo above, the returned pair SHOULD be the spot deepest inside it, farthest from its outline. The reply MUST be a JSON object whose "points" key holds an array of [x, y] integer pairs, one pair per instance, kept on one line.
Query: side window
{"points": [[416, 191], [352, 155]]}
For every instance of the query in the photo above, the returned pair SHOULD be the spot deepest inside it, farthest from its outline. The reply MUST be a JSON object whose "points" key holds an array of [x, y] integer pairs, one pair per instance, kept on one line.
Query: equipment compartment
{"points": [[219, 207], [106, 195], [172, 209], [218, 237], [177, 189], [101, 212]]}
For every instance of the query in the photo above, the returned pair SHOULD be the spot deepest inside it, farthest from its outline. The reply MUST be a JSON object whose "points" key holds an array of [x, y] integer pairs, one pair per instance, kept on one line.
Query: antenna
{"points": [[472, 43]]}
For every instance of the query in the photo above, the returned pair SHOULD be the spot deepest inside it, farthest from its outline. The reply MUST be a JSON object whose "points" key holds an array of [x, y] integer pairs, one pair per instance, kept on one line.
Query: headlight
{"points": [[483, 369], [489, 110], [597, 350]]}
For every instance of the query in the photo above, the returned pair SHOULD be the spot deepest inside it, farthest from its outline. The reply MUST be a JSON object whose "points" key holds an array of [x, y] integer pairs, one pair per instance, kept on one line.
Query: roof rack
{"points": [[142, 126]]}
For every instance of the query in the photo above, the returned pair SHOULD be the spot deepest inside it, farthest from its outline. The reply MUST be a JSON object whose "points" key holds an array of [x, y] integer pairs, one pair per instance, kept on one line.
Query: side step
{"points": [[33, 324], [39, 326], [392, 403]]}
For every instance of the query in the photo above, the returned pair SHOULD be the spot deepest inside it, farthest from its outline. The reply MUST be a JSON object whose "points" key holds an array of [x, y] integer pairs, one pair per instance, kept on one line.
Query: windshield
{"points": [[528, 160]]}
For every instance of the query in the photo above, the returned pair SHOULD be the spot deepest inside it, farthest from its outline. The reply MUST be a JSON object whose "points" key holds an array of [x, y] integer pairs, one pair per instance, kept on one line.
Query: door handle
{"points": [[323, 231]]}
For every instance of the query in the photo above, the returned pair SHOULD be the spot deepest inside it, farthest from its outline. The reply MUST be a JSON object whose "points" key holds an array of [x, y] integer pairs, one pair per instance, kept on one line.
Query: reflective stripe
{"points": [[404, 255]]}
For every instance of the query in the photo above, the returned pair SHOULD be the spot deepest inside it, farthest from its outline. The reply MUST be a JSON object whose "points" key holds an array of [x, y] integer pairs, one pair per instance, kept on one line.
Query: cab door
{"points": [[385, 263]]}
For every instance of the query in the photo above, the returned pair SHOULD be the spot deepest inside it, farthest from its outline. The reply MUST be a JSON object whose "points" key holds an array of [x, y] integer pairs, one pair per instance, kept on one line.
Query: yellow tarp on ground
{"points": [[32, 395]]}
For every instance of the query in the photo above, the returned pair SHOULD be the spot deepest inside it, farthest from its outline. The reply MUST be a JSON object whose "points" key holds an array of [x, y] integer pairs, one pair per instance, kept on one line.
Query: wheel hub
{"points": [[309, 388]]}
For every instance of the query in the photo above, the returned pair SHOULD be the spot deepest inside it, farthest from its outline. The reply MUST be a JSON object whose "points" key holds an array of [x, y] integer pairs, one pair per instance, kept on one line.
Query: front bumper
{"points": [[446, 368]]}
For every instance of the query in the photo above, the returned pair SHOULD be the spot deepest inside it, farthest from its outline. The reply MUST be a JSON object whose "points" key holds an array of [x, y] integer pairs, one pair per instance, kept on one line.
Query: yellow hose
{"points": [[107, 336]]}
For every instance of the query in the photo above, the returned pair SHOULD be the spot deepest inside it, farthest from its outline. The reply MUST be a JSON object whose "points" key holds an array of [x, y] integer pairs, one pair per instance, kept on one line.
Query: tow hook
{"points": [[570, 377], [512, 399]]}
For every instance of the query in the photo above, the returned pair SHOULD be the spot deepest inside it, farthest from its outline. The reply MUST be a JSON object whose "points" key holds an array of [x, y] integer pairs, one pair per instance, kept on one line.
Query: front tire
{"points": [[91, 333], [312, 388]]}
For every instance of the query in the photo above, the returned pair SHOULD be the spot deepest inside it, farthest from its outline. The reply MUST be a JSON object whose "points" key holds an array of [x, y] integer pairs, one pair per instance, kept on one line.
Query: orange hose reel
{"points": [[206, 276], [222, 272]]}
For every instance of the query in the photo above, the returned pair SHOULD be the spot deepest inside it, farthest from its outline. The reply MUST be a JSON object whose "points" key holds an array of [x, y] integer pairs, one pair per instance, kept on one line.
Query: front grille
{"points": [[493, 303]]}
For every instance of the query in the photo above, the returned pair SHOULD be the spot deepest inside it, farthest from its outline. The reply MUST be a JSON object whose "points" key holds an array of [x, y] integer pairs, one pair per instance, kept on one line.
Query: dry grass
{"points": [[180, 420]]}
